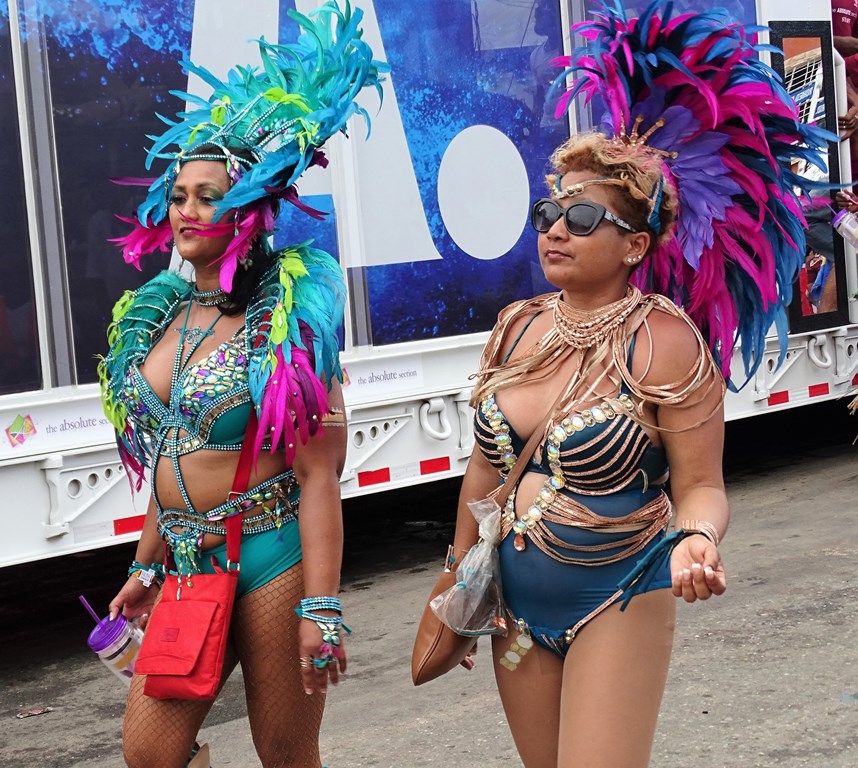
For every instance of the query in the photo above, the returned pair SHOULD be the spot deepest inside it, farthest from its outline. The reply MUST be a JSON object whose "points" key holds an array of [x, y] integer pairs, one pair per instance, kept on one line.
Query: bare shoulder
{"points": [[667, 348], [513, 326]]}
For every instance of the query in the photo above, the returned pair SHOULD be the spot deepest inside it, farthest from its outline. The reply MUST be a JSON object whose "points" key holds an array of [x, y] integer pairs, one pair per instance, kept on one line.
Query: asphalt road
{"points": [[765, 676]]}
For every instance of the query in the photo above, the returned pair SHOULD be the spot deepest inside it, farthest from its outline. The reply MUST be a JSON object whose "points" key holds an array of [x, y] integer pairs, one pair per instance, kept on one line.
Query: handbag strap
{"points": [[239, 486]]}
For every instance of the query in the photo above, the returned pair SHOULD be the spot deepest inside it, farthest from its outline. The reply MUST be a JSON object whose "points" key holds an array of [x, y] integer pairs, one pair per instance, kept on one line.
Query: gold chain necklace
{"points": [[582, 329]]}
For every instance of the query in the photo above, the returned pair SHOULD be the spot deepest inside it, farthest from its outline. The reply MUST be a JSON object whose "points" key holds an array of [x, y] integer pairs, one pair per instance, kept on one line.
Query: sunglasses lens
{"points": [[545, 213], [582, 219]]}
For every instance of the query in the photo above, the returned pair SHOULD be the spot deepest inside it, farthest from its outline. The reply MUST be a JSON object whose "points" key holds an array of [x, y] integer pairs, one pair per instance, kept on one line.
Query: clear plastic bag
{"points": [[474, 605]]}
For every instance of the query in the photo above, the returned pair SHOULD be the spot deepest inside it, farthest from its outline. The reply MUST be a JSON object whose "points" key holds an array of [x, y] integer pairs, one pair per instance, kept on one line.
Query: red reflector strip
{"points": [[374, 477], [128, 525], [815, 390], [435, 465], [779, 398], [855, 379]]}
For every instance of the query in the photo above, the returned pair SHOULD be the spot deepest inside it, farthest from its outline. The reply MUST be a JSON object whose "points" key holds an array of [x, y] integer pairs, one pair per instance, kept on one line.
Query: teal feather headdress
{"points": [[267, 124]]}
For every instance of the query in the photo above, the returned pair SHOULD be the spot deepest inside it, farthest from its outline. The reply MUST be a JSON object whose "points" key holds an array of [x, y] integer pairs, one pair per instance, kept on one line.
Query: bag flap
{"points": [[175, 637]]}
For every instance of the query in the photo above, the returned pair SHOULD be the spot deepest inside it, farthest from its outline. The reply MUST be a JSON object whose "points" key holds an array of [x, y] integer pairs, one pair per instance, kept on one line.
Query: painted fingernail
{"points": [[308, 691], [696, 566], [708, 570]]}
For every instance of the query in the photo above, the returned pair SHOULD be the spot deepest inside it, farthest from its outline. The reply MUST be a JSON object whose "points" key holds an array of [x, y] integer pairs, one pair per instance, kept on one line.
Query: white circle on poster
{"points": [[483, 194]]}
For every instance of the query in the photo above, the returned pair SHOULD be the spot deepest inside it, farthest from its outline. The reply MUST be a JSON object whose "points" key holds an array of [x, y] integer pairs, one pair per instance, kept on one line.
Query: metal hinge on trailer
{"points": [[835, 369], [464, 415], [845, 355], [76, 489], [369, 434]]}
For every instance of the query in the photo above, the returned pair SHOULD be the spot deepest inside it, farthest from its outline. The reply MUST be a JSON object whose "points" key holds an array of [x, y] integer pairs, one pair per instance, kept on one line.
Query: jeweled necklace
{"points": [[192, 337], [587, 328], [209, 298]]}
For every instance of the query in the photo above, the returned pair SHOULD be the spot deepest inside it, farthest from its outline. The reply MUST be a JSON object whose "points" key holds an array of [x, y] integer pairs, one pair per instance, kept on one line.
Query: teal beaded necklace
{"points": [[192, 337]]}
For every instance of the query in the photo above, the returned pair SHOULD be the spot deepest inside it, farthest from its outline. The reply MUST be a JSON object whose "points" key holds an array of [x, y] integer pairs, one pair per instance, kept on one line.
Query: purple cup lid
{"points": [[106, 632], [838, 217]]}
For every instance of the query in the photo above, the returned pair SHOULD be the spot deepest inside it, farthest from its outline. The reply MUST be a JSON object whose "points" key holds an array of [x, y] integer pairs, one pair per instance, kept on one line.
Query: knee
{"points": [[283, 753], [134, 749], [135, 755], [148, 751]]}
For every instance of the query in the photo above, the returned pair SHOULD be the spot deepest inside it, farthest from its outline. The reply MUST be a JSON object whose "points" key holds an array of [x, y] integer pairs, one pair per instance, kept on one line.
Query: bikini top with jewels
{"points": [[599, 451], [213, 404]]}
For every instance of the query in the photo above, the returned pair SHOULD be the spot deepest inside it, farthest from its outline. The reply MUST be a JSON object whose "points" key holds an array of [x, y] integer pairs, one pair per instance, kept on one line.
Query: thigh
{"points": [[284, 720], [531, 700], [162, 731], [613, 680]]}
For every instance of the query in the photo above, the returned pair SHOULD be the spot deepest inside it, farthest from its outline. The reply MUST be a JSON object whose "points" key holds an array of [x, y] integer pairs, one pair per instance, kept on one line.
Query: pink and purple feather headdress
{"points": [[727, 132]]}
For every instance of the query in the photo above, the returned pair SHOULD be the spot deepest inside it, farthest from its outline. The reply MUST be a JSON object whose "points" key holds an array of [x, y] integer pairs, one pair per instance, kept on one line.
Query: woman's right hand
{"points": [[134, 601], [847, 200]]}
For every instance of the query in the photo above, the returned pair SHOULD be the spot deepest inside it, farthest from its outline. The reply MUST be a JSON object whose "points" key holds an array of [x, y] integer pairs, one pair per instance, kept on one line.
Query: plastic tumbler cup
{"points": [[847, 225], [117, 643]]}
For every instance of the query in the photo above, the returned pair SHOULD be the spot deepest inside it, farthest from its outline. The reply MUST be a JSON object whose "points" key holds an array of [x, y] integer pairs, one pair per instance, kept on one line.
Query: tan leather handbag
{"points": [[437, 648]]}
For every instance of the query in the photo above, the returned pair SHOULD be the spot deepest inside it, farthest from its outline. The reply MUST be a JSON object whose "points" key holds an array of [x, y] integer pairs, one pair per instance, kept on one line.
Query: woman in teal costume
{"points": [[188, 362]]}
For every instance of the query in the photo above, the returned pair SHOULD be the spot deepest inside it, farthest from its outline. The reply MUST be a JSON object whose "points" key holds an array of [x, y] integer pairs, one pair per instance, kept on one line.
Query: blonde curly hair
{"points": [[637, 168]]}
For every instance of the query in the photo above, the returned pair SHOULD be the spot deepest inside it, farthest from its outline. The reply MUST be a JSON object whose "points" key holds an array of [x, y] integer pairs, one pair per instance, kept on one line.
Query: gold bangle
{"points": [[703, 527]]}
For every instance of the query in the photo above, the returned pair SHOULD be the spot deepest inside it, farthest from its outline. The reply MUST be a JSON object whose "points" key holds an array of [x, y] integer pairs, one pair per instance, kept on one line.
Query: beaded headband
{"points": [[655, 196]]}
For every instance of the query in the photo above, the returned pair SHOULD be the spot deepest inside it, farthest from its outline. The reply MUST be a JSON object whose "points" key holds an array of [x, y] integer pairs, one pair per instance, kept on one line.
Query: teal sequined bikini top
{"points": [[213, 407]]}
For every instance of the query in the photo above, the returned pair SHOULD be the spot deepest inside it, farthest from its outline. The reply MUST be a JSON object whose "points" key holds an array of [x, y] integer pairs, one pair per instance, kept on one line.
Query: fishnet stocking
{"points": [[161, 732], [284, 721]]}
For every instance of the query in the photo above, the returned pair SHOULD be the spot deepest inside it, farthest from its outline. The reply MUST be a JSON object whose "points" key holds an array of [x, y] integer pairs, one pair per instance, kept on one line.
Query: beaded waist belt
{"points": [[277, 502], [644, 523]]}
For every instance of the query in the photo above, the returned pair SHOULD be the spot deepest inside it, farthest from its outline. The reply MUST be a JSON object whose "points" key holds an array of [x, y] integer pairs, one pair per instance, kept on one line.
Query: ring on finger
{"points": [[305, 662]]}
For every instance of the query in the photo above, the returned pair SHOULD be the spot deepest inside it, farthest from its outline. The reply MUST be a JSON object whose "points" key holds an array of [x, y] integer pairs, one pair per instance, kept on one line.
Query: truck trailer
{"points": [[428, 218]]}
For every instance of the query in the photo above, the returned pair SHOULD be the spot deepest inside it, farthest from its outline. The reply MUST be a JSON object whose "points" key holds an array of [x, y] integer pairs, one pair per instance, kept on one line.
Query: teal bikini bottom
{"points": [[264, 556]]}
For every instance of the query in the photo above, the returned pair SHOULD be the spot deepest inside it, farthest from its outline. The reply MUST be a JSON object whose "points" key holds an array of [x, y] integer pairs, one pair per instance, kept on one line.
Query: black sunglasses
{"points": [[581, 219]]}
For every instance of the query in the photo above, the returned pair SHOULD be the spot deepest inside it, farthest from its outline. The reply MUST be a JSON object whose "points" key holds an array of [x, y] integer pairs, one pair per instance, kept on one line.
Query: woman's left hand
{"points": [[316, 678], [696, 569]]}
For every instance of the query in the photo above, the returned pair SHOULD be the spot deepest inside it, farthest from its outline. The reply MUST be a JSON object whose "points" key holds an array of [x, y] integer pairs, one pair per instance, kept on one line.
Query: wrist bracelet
{"points": [[322, 604], [703, 527], [147, 573], [329, 626]]}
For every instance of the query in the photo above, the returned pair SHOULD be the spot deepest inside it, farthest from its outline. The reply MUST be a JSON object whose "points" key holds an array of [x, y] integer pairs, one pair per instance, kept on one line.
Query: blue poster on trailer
{"points": [[458, 153], [437, 236], [467, 128]]}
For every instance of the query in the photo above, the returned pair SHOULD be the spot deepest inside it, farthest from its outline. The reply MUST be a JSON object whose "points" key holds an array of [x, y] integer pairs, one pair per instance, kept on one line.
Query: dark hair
{"points": [[246, 282]]}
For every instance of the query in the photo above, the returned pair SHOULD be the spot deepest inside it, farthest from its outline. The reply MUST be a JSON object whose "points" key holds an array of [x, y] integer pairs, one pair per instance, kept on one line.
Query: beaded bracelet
{"points": [[322, 604], [318, 618], [703, 527], [147, 573], [329, 626]]}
